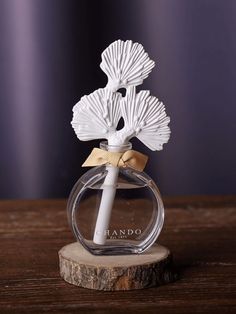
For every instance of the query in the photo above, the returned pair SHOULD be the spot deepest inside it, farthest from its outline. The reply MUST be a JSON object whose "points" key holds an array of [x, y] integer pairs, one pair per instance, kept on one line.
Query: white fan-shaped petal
{"points": [[96, 115], [145, 118], [125, 64]]}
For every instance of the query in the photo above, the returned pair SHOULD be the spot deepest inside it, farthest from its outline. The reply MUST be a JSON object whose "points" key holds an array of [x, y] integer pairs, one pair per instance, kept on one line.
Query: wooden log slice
{"points": [[122, 272]]}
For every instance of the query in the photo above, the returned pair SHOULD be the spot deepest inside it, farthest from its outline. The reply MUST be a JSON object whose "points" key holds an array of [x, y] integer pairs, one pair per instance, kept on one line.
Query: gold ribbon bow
{"points": [[130, 158]]}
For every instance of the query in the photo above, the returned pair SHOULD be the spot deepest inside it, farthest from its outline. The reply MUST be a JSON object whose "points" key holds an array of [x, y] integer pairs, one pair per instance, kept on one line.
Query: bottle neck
{"points": [[115, 148]]}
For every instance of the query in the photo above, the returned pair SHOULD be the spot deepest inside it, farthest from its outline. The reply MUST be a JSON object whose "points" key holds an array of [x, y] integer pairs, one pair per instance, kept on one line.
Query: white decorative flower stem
{"points": [[95, 116], [105, 208]]}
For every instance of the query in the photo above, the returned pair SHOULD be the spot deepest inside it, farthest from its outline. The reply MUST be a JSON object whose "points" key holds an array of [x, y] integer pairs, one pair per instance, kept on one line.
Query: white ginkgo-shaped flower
{"points": [[145, 118], [125, 64], [96, 115]]}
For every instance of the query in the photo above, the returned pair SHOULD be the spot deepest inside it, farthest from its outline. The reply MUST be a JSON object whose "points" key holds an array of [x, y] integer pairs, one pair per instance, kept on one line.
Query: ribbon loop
{"points": [[130, 158]]}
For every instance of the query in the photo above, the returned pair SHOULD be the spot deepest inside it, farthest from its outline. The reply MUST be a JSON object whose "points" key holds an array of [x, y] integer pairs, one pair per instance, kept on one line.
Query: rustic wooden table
{"points": [[200, 232]]}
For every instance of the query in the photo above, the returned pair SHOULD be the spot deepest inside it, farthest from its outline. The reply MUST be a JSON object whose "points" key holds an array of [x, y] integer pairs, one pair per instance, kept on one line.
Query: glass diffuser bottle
{"points": [[115, 208], [137, 213]]}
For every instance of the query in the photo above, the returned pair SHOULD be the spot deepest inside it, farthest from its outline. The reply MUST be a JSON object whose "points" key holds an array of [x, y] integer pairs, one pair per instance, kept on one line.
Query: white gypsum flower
{"points": [[125, 64], [96, 115], [144, 118]]}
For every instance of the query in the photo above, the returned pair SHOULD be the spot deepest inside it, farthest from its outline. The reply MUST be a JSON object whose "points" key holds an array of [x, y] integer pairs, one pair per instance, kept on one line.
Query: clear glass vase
{"points": [[115, 211]]}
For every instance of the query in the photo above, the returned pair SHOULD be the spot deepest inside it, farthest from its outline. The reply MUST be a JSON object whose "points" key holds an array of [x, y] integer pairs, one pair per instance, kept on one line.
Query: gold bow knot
{"points": [[130, 158]]}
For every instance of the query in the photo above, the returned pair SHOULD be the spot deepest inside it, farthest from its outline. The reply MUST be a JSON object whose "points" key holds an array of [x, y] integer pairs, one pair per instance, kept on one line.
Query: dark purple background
{"points": [[49, 58]]}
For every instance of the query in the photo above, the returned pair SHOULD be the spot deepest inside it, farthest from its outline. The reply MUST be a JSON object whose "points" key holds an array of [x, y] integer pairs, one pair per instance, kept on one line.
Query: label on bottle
{"points": [[120, 233]]}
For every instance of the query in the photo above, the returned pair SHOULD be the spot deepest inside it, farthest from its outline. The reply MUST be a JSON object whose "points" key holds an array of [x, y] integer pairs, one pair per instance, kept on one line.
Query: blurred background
{"points": [[50, 52]]}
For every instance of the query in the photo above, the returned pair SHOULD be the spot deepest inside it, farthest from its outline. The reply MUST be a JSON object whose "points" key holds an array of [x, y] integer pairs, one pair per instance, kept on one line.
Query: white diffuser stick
{"points": [[107, 201], [105, 208]]}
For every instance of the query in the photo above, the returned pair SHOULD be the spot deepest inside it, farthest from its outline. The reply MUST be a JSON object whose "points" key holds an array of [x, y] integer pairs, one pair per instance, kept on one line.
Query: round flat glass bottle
{"points": [[136, 215]]}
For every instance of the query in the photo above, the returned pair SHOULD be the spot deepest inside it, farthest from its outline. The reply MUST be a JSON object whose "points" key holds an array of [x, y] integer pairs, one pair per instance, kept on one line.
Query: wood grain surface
{"points": [[199, 231]]}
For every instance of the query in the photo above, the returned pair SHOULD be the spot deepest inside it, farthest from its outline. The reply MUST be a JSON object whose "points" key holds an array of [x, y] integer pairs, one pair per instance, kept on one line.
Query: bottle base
{"points": [[122, 247]]}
